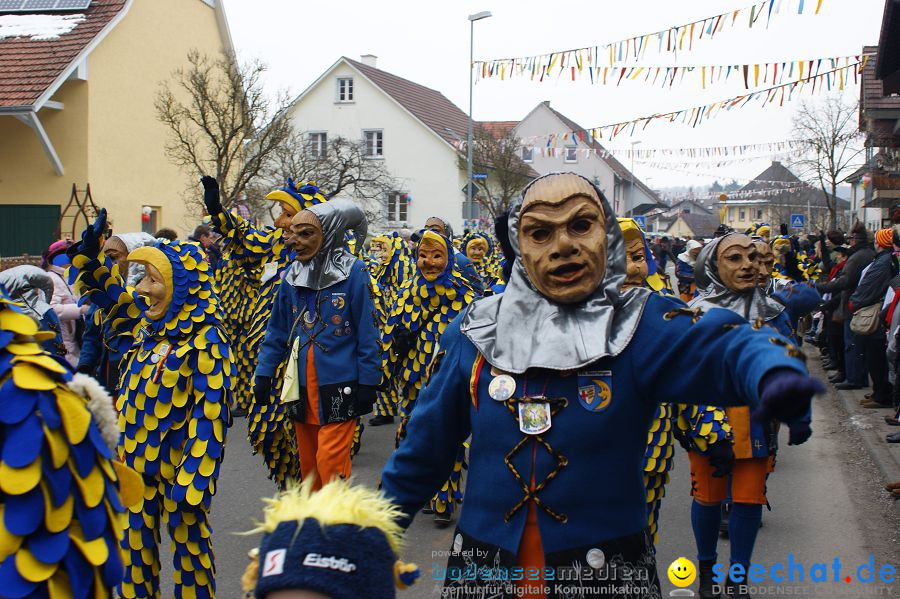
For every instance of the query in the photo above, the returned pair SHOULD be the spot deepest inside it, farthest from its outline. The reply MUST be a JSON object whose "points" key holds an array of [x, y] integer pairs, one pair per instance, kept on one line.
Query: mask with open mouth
{"points": [[732, 286], [562, 308]]}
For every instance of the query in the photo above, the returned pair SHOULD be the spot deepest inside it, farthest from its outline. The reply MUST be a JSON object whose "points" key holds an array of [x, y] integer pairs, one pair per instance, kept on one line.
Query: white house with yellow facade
{"points": [[78, 80]]}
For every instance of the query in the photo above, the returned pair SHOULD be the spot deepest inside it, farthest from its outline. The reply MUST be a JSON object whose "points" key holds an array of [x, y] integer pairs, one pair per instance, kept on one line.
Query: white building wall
{"points": [[424, 165], [539, 124]]}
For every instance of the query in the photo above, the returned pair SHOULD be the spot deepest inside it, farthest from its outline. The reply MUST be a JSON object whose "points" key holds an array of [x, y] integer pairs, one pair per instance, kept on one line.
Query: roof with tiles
{"points": [[29, 66], [428, 105]]}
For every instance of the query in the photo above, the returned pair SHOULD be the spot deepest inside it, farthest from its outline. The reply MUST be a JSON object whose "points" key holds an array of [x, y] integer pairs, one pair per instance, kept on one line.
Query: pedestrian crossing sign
{"points": [[798, 221], [641, 222]]}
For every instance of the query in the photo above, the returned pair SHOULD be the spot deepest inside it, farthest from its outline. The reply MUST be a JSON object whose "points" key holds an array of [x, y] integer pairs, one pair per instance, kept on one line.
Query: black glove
{"points": [[785, 395], [262, 389], [90, 238], [85, 369], [211, 195], [403, 341], [721, 457], [799, 434], [366, 394]]}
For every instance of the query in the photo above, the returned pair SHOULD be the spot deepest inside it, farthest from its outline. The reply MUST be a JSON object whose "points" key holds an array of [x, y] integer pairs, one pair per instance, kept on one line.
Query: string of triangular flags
{"points": [[670, 40], [750, 74], [694, 116]]}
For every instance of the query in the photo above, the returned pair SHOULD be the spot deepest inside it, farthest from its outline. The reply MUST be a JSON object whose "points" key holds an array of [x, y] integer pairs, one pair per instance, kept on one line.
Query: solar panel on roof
{"points": [[11, 5], [35, 6]]}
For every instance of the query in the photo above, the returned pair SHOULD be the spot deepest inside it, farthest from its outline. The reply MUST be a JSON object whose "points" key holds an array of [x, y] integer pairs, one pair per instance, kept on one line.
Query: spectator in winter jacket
{"points": [[684, 269], [845, 283], [873, 285], [64, 302]]}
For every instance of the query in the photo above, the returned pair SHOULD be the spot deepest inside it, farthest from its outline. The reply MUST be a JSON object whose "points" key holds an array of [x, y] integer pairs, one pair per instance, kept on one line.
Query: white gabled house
{"points": [[576, 153], [414, 129]]}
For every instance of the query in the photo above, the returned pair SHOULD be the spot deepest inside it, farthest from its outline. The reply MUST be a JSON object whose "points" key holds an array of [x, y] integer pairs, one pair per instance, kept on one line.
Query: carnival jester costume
{"points": [[266, 252], [728, 273], [702, 428], [175, 392], [426, 304], [60, 505], [555, 476], [479, 248], [323, 321], [393, 268]]}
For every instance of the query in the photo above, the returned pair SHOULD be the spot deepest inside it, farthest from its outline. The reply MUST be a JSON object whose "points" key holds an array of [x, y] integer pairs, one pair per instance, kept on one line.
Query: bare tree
{"points": [[507, 173], [829, 131], [339, 167], [221, 123]]}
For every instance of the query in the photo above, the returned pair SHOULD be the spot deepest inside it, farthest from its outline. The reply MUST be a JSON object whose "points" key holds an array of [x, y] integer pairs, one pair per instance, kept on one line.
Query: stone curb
{"points": [[870, 425]]}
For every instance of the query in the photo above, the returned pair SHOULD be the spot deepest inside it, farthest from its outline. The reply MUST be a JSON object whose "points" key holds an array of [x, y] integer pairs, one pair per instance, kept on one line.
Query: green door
{"points": [[27, 228]]}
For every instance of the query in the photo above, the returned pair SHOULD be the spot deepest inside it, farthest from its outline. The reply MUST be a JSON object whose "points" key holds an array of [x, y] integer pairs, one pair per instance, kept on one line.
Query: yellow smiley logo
{"points": [[682, 572]]}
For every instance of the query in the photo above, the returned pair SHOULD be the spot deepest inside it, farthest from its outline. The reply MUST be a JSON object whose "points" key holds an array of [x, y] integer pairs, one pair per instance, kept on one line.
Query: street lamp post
{"points": [[471, 133], [631, 190]]}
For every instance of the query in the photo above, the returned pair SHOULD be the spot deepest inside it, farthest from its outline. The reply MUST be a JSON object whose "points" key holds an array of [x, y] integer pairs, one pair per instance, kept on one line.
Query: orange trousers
{"points": [[324, 449], [531, 549]]}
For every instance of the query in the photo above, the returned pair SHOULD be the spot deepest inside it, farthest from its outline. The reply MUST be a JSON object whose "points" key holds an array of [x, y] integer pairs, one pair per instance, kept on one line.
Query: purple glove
{"points": [[800, 432], [785, 395]]}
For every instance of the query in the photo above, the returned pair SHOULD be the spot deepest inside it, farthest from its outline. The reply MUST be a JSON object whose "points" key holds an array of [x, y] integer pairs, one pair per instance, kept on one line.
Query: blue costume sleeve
{"points": [[717, 359], [368, 346], [91, 345], [274, 347], [800, 299], [99, 280], [437, 428]]}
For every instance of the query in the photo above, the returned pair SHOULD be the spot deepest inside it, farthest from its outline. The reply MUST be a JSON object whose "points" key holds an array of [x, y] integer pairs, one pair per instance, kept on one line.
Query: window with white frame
{"points": [[571, 154], [374, 141], [743, 215], [527, 154], [759, 212], [317, 145], [345, 89], [398, 204]]}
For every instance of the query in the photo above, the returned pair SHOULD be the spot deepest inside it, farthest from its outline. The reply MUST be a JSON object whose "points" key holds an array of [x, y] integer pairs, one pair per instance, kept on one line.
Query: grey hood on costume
{"points": [[30, 285], [333, 262], [521, 329], [714, 294], [132, 242]]}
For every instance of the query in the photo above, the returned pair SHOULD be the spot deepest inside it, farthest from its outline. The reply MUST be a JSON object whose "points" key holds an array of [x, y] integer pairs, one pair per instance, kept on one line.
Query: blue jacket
{"points": [[345, 341], [600, 489], [102, 349]]}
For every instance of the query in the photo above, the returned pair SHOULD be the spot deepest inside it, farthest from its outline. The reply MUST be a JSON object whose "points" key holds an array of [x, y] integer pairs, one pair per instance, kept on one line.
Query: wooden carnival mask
{"points": [[562, 238], [306, 235], [737, 262]]}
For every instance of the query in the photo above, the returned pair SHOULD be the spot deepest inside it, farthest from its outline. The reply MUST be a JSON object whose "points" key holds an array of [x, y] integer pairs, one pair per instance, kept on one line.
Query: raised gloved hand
{"points": [[403, 341], [785, 395], [262, 389], [800, 432], [721, 457], [211, 195], [90, 238]]}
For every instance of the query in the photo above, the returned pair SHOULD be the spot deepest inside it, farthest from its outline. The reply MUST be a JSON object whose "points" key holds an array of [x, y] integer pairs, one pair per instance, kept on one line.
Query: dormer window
{"points": [[345, 89]]}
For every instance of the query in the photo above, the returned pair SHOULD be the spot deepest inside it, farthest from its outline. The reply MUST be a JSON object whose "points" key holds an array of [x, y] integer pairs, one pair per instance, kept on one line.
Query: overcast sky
{"points": [[428, 42]]}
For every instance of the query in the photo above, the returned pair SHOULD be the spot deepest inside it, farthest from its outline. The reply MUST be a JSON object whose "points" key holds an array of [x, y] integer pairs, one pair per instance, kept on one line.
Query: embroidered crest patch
{"points": [[595, 390]]}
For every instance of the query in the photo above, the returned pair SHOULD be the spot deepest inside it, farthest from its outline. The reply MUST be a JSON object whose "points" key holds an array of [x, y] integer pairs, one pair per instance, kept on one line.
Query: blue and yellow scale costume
{"points": [[424, 309], [388, 275], [175, 391], [59, 500], [695, 426], [488, 268], [237, 289], [269, 429]]}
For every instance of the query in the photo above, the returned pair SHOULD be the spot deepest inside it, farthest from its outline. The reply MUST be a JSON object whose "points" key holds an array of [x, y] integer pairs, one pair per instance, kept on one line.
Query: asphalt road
{"points": [[825, 495]]}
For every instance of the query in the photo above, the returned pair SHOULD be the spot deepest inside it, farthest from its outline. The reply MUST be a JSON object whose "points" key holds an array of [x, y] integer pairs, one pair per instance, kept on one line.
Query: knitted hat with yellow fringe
{"points": [[342, 541]]}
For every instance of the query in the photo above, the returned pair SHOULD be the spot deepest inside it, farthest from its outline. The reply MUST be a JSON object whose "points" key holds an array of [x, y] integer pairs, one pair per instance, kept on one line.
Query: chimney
{"points": [[370, 60], [546, 103]]}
